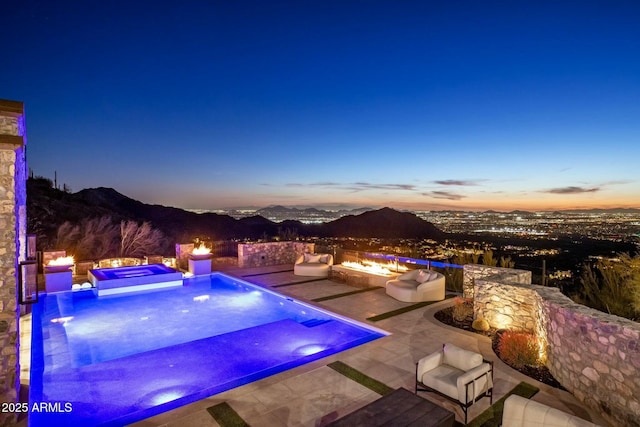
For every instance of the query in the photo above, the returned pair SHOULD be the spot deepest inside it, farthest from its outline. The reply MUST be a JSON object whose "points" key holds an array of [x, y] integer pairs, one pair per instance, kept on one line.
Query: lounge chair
{"points": [[461, 376]]}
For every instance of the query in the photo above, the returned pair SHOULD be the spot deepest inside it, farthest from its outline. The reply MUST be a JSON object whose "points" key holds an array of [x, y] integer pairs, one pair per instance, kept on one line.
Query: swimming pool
{"points": [[123, 358]]}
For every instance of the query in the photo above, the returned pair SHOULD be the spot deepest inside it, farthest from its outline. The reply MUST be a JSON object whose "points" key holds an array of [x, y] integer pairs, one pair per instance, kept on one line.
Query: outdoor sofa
{"points": [[417, 286], [314, 265]]}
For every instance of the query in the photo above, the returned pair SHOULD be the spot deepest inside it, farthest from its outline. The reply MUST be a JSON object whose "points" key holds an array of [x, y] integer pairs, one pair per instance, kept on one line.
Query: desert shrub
{"points": [[612, 286], [462, 308], [488, 259], [506, 262], [518, 349], [455, 275]]}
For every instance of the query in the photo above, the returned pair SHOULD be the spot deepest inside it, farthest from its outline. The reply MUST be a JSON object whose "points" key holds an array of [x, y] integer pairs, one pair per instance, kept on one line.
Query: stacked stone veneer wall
{"points": [[273, 253], [13, 215], [182, 254], [594, 355], [477, 271]]}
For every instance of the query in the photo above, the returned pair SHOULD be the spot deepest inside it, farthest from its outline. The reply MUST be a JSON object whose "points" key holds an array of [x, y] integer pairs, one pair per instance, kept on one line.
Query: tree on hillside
{"points": [[98, 238], [137, 240], [92, 238]]}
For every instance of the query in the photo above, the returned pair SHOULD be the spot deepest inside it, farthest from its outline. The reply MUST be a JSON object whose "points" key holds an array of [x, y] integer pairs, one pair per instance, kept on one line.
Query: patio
{"points": [[315, 394]]}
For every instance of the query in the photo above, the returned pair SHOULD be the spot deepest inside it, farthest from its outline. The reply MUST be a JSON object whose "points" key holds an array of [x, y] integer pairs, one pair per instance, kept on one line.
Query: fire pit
{"points": [[200, 260], [366, 273], [59, 264], [58, 275]]}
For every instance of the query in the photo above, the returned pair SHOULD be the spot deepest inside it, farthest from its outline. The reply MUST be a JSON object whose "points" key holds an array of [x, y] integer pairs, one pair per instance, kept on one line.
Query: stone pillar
{"points": [[13, 226], [183, 250]]}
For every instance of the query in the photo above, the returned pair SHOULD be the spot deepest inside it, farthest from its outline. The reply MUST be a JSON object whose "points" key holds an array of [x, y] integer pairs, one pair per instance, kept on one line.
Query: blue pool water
{"points": [[119, 359]]}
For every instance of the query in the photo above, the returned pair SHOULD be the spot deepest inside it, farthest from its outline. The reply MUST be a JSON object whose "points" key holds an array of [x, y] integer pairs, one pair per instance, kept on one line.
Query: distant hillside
{"points": [[607, 211], [48, 208], [383, 223]]}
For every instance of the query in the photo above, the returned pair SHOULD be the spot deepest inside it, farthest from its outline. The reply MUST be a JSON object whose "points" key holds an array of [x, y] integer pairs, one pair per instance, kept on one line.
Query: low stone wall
{"points": [[272, 253], [82, 268], [182, 255], [594, 355], [119, 262], [477, 271], [153, 259]]}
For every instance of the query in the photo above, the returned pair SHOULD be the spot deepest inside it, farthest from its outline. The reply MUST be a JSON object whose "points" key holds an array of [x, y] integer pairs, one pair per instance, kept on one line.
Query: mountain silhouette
{"points": [[48, 208], [383, 223]]}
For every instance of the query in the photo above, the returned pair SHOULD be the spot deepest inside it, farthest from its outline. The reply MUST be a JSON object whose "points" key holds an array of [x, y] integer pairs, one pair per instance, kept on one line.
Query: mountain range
{"points": [[48, 208]]}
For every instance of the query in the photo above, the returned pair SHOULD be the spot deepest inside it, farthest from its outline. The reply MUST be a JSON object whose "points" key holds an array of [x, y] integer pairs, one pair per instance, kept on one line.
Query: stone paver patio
{"points": [[314, 394]]}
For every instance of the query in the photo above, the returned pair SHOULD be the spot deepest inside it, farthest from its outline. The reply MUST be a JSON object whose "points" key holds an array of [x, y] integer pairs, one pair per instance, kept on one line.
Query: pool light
{"points": [[63, 320]]}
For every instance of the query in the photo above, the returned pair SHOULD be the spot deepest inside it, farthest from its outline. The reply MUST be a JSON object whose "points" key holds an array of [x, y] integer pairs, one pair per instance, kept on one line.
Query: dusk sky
{"points": [[412, 105]]}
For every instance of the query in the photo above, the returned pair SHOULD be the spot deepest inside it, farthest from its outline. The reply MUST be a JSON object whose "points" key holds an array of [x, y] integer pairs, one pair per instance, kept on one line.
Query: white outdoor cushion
{"points": [[433, 275], [324, 258], [312, 258], [521, 412], [444, 378], [423, 276], [464, 360], [479, 383]]}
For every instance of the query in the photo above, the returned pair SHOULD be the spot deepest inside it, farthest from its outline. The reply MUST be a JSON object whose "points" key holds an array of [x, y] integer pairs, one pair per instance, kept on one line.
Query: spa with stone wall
{"points": [[594, 355], [273, 253]]}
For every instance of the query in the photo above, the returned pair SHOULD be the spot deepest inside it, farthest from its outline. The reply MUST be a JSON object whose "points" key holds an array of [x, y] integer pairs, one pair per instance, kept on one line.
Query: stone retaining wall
{"points": [[477, 271], [594, 355], [272, 253]]}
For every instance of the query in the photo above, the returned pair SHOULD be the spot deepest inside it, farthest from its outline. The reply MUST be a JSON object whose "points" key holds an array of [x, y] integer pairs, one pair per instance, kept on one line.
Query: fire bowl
{"points": [[57, 268], [198, 257]]}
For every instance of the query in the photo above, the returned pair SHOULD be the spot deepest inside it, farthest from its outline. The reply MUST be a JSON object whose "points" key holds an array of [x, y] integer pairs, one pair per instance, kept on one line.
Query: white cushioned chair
{"points": [[521, 412], [417, 286], [314, 265], [460, 375]]}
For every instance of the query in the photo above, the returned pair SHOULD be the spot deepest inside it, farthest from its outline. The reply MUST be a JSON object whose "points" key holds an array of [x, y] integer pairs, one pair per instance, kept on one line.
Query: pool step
{"points": [[314, 322]]}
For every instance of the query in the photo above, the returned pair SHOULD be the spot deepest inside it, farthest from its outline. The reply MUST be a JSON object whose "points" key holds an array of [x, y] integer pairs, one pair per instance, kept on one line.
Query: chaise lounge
{"points": [[313, 265], [417, 286]]}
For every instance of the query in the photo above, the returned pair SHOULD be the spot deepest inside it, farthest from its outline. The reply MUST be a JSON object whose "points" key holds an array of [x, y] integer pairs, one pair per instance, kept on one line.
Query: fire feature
{"points": [[58, 275], [201, 252], [373, 267], [59, 264], [200, 260]]}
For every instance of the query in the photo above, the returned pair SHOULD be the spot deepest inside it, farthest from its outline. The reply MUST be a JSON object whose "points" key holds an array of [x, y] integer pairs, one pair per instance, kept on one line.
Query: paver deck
{"points": [[314, 394]]}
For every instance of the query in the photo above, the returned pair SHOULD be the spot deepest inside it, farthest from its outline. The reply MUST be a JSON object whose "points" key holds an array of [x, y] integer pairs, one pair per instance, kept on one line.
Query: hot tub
{"points": [[110, 281]]}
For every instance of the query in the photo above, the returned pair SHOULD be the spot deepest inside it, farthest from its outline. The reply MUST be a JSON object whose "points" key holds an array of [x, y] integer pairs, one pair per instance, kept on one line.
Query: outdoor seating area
{"points": [[330, 389], [313, 265], [417, 285]]}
